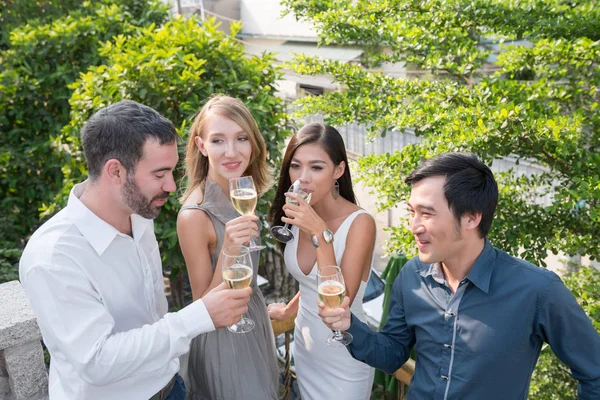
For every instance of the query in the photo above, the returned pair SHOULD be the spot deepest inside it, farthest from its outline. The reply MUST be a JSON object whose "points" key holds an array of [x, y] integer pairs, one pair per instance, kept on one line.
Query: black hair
{"points": [[470, 186]]}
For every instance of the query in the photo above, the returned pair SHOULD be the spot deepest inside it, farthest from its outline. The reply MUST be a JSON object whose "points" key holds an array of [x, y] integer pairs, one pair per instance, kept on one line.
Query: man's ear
{"points": [[339, 170], [471, 221], [200, 145], [115, 171]]}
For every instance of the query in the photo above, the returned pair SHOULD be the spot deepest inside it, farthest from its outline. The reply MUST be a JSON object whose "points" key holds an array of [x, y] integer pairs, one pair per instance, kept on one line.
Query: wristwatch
{"points": [[327, 235]]}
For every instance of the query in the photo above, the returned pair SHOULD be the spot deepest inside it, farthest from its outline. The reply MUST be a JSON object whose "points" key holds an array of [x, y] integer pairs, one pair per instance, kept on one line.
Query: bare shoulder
{"points": [[195, 198], [192, 216], [363, 219], [194, 220], [364, 222]]}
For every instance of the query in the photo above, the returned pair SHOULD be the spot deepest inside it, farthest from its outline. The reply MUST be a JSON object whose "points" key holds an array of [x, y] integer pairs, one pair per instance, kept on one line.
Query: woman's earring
{"points": [[336, 189]]}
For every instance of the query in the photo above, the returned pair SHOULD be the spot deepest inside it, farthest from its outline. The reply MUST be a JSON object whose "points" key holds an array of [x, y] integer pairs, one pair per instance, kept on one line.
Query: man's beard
{"points": [[134, 199]]}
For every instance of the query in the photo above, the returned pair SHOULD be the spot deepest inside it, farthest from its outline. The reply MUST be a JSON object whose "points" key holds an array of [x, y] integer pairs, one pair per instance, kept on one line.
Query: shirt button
{"points": [[444, 377], [448, 346]]}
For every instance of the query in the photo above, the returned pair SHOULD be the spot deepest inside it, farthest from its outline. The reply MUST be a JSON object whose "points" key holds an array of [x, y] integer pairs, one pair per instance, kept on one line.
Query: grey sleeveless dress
{"points": [[232, 366]]}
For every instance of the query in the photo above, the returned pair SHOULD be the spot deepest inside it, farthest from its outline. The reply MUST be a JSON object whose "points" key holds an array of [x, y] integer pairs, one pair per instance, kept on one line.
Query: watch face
{"points": [[328, 235], [314, 241]]}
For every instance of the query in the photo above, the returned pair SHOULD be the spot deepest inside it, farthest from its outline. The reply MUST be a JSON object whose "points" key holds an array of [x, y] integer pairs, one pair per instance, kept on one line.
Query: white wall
{"points": [[263, 17]]}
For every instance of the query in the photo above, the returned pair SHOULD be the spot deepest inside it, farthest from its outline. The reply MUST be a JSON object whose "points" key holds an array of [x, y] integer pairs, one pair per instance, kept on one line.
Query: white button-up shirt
{"points": [[99, 299]]}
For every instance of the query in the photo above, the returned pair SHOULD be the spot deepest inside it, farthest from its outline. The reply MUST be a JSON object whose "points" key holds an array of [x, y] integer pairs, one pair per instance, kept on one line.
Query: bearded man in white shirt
{"points": [[93, 271]]}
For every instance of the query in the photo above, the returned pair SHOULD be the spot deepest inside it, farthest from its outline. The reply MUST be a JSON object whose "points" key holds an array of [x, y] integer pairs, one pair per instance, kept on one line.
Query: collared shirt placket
{"points": [[148, 281], [450, 303], [451, 320]]}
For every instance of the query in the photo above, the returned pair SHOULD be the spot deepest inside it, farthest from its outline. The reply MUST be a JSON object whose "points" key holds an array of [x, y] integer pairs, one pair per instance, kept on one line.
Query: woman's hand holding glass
{"points": [[244, 197], [240, 230], [283, 233], [299, 213]]}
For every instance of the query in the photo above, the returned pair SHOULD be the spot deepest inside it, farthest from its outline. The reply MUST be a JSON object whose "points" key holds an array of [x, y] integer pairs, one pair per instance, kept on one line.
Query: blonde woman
{"points": [[224, 143]]}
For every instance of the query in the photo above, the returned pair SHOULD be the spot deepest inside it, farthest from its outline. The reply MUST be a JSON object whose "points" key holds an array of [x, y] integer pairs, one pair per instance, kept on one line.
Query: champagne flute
{"points": [[244, 198], [331, 289], [283, 233], [237, 273]]}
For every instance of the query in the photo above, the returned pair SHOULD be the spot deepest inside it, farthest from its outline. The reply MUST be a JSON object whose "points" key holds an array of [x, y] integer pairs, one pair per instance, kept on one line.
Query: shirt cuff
{"points": [[196, 319], [360, 333]]}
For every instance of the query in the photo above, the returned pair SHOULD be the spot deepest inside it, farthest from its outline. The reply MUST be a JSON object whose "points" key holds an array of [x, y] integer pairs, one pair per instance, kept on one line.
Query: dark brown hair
{"points": [[120, 131], [331, 141]]}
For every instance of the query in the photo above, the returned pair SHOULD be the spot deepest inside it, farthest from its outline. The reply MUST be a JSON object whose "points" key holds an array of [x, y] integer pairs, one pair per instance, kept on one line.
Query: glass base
{"points": [[245, 325], [282, 234], [339, 339]]}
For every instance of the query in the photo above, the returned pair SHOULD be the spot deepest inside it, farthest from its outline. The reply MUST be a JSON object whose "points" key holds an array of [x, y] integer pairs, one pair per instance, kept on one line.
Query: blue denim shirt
{"points": [[483, 341]]}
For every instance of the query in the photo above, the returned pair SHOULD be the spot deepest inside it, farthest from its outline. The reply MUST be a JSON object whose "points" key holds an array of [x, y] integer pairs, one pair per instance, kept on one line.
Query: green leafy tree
{"points": [[17, 13], [36, 69], [174, 69], [538, 102], [498, 78], [14, 13]]}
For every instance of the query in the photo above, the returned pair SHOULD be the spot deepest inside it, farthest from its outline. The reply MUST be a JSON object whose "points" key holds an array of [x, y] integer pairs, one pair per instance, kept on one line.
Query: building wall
{"points": [[263, 17]]}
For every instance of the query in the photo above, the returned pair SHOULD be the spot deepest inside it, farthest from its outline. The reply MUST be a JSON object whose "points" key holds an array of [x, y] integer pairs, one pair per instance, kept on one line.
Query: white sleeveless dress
{"points": [[325, 372]]}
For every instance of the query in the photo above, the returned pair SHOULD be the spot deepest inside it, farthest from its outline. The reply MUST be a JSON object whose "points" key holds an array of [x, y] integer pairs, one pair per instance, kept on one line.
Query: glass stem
{"points": [[337, 335]]}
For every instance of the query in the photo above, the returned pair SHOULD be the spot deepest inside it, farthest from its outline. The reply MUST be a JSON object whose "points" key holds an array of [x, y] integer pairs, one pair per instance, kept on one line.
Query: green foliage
{"points": [[41, 62], [9, 261], [552, 379], [174, 69], [535, 100], [14, 13]]}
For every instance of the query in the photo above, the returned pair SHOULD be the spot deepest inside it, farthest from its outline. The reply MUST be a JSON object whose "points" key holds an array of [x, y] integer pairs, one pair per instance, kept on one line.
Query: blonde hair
{"points": [[196, 164]]}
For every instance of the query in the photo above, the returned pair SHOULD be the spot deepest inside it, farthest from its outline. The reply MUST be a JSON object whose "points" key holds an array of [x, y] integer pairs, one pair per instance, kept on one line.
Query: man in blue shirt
{"points": [[475, 316]]}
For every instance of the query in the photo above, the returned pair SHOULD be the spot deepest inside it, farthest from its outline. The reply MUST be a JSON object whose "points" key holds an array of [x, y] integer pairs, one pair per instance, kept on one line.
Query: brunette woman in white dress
{"points": [[331, 230]]}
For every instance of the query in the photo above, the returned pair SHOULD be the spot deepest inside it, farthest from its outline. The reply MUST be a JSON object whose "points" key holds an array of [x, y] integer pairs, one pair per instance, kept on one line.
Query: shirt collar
{"points": [[96, 231], [480, 275], [435, 271]]}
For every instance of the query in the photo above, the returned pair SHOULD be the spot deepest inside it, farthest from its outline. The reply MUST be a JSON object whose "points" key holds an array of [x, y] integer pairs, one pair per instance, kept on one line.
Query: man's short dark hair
{"points": [[119, 131], [470, 186]]}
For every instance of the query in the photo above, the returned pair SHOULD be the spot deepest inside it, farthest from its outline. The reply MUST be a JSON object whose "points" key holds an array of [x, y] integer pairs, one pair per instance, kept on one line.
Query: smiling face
{"points": [[227, 147], [147, 187], [315, 170], [438, 234]]}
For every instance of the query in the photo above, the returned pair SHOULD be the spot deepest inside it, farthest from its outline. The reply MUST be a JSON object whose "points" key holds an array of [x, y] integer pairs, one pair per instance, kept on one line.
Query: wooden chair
{"points": [[403, 374]]}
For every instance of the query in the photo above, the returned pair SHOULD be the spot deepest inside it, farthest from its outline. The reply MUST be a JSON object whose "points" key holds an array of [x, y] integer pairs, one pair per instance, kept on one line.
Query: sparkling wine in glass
{"points": [[237, 274], [284, 233], [332, 290], [244, 198]]}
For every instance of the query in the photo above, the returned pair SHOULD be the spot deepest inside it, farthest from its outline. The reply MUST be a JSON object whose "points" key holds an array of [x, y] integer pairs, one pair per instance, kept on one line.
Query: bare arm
{"points": [[356, 260], [310, 223], [196, 232]]}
